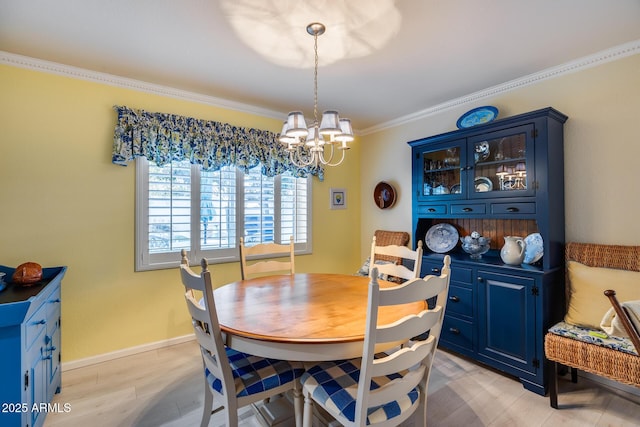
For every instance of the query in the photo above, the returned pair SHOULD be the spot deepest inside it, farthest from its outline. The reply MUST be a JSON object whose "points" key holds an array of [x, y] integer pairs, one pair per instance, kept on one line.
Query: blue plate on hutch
{"points": [[441, 238], [534, 248], [477, 116]]}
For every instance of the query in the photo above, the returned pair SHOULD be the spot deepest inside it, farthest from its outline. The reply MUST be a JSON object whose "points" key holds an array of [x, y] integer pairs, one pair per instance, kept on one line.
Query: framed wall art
{"points": [[338, 198]]}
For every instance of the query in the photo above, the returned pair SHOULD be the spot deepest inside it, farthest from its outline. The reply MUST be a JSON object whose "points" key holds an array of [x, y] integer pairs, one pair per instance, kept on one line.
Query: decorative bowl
{"points": [[475, 245]]}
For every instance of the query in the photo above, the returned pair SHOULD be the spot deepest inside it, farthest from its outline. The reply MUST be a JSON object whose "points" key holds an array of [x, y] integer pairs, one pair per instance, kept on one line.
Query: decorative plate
{"points": [[534, 248], [441, 238], [477, 116], [384, 195], [483, 184]]}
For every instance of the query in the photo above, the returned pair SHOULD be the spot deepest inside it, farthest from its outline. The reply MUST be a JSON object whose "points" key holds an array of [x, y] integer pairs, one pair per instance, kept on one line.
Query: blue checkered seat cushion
{"points": [[335, 386], [254, 374]]}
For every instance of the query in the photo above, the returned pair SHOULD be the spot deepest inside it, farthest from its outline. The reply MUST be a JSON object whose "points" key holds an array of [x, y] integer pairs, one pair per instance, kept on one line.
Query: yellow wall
{"points": [[63, 202], [601, 142]]}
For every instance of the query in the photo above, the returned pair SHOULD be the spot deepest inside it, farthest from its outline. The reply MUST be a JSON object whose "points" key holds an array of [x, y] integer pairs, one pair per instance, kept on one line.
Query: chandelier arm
{"points": [[323, 160], [301, 162], [327, 163]]}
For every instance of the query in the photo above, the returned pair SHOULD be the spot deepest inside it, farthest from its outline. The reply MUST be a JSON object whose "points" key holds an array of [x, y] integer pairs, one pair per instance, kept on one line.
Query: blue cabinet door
{"points": [[506, 321]]}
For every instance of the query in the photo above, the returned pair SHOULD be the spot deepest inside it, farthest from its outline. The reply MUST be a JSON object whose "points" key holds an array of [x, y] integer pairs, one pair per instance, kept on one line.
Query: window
{"points": [[179, 206]]}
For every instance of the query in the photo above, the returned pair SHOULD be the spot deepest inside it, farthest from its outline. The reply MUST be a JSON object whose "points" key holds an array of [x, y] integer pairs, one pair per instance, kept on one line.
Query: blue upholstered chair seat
{"points": [[335, 384], [254, 374]]}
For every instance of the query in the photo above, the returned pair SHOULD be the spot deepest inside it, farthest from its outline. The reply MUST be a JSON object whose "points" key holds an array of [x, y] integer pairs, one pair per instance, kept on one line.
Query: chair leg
{"points": [[307, 417], [574, 375], [208, 405], [553, 384], [297, 403]]}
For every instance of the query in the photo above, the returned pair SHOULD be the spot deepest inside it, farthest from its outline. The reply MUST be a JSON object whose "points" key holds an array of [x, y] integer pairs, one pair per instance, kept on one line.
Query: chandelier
{"points": [[332, 132]]}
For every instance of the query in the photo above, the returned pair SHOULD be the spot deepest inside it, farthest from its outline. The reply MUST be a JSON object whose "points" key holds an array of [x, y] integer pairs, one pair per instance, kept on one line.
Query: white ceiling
{"points": [[442, 50]]}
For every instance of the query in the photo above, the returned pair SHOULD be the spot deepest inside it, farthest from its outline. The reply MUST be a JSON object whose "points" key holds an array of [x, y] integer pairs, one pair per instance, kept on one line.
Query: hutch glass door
{"points": [[502, 162], [441, 171]]}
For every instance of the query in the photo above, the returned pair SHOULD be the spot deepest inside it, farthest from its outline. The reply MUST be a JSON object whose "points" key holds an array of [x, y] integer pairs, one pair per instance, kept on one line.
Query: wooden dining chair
{"points": [[390, 261], [266, 258], [383, 389], [237, 379]]}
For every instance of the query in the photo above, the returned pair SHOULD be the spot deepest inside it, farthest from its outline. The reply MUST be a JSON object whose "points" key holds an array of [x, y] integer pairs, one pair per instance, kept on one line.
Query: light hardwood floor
{"points": [[164, 388]]}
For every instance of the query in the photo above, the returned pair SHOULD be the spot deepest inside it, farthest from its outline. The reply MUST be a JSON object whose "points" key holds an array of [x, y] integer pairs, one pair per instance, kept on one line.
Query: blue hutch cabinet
{"points": [[30, 348], [503, 178]]}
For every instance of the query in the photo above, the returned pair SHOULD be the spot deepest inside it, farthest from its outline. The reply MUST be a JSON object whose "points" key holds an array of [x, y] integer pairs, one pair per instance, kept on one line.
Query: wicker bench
{"points": [[581, 348]]}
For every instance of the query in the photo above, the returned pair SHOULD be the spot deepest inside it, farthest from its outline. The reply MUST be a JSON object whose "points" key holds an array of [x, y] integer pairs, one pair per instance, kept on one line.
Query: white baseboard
{"points": [[88, 361]]}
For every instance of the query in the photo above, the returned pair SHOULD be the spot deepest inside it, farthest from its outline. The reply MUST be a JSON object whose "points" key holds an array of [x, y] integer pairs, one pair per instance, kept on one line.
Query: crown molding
{"points": [[608, 55], [602, 57], [127, 83]]}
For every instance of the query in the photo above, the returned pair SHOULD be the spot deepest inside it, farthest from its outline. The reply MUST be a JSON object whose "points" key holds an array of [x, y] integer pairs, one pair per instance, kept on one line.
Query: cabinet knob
{"points": [[52, 348], [40, 322], [454, 331], [435, 270], [431, 210], [480, 279], [454, 298], [512, 209], [467, 209]]}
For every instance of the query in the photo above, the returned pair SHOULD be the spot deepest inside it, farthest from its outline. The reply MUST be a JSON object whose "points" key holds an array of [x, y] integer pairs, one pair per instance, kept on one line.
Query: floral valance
{"points": [[163, 138]]}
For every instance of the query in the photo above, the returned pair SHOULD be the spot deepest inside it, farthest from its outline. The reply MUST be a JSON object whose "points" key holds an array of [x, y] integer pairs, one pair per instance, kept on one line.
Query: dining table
{"points": [[304, 317]]}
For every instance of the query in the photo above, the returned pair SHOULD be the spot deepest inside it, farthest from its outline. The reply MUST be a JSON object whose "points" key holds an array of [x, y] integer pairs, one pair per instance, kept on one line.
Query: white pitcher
{"points": [[512, 252]]}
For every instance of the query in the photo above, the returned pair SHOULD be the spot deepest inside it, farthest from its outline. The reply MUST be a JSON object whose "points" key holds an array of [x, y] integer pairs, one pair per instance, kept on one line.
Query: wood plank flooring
{"points": [[165, 388]]}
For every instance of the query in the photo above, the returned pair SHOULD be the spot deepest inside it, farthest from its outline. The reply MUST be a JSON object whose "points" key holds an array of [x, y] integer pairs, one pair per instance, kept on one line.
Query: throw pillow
{"points": [[587, 302]]}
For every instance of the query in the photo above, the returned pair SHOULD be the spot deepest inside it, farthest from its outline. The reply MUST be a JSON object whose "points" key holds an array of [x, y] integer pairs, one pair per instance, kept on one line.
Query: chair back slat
{"points": [[414, 290], [410, 326], [253, 259], [395, 251], [190, 280], [399, 360], [392, 257], [398, 387]]}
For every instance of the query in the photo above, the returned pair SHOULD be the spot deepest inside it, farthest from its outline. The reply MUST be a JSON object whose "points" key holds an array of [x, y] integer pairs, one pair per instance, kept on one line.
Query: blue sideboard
{"points": [[29, 348]]}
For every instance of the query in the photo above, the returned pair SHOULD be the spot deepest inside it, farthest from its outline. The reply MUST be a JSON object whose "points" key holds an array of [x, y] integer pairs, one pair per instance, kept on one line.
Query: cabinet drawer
{"points": [[460, 301], [53, 304], [513, 208], [35, 326], [458, 274], [457, 332], [469, 209], [432, 210]]}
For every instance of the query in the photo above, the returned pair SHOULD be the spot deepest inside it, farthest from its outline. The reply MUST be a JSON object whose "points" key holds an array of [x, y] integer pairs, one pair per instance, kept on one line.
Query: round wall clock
{"points": [[384, 195]]}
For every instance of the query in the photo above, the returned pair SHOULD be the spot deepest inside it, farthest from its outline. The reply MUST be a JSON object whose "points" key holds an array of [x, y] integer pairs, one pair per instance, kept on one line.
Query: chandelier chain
{"points": [[315, 78]]}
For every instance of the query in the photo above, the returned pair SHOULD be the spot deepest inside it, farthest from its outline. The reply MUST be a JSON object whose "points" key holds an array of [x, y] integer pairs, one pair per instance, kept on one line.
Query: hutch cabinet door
{"points": [[506, 320], [502, 163], [438, 170]]}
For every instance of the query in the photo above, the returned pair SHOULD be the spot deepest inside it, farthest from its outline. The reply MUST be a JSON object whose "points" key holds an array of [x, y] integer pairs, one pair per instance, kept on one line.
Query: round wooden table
{"points": [[303, 317]]}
